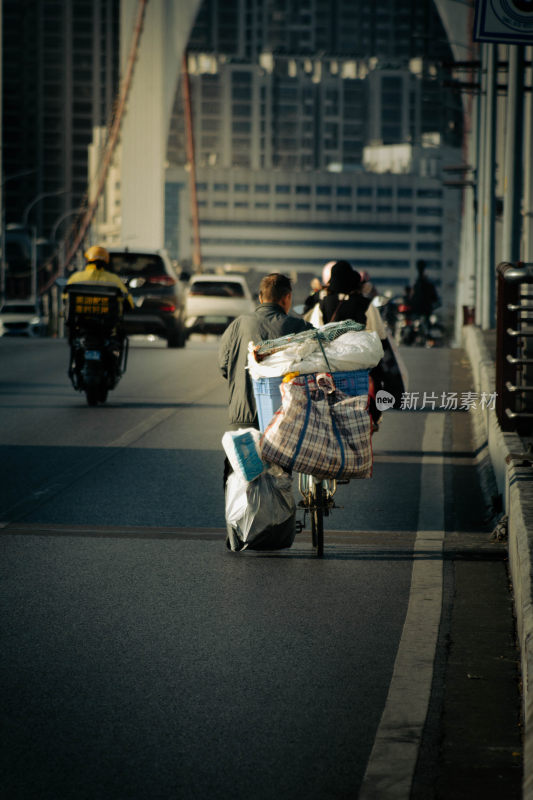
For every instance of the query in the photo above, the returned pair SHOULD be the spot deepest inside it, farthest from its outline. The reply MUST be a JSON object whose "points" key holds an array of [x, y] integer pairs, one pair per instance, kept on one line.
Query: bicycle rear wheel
{"points": [[317, 519]]}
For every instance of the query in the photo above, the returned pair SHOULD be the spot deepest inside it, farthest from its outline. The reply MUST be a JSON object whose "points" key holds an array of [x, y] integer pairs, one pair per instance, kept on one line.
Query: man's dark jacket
{"points": [[269, 321]]}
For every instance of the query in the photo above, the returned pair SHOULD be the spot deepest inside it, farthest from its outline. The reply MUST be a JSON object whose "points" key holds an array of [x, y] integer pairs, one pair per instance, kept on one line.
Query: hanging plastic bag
{"points": [[260, 514], [319, 430]]}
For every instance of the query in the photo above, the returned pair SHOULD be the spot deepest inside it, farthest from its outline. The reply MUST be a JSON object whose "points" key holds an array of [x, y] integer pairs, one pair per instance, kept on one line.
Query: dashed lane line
{"points": [[64, 479]]}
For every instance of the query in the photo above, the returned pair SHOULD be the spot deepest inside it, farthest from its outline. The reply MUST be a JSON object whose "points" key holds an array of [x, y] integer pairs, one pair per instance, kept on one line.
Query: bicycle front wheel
{"points": [[317, 519]]}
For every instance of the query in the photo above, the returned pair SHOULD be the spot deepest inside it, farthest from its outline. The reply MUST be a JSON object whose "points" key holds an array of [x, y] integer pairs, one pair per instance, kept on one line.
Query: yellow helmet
{"points": [[96, 253]]}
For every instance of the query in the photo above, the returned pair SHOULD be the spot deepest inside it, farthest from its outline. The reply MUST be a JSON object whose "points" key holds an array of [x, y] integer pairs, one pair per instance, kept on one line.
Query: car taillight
{"points": [[403, 309], [161, 280], [169, 308]]}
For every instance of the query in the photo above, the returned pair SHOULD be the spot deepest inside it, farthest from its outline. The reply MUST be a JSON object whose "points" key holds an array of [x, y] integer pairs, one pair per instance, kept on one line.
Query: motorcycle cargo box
{"points": [[92, 301]]}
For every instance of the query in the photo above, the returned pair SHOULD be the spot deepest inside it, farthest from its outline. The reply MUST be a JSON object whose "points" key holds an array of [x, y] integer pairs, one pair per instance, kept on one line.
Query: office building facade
{"points": [[320, 132], [60, 78]]}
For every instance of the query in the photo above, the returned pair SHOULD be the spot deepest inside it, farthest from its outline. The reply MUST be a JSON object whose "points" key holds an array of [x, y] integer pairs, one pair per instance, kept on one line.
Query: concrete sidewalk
{"points": [[507, 481]]}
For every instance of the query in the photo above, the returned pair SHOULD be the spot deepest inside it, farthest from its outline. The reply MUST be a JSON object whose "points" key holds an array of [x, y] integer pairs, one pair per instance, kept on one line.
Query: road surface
{"points": [[141, 659]]}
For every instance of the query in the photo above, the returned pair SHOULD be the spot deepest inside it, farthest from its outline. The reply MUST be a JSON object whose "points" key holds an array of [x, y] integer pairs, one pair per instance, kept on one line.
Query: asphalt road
{"points": [[141, 659]]}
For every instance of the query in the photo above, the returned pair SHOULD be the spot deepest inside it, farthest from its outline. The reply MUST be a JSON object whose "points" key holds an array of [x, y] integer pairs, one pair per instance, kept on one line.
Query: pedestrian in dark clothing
{"points": [[424, 297], [343, 299], [269, 321], [316, 294]]}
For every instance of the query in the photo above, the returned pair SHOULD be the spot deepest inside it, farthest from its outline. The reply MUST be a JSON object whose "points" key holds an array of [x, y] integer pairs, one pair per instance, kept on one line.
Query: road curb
{"points": [[515, 484]]}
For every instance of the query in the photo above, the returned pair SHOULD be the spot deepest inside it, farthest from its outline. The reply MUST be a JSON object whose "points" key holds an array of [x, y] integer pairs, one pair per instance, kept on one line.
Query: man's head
{"points": [[276, 288], [97, 256], [421, 266]]}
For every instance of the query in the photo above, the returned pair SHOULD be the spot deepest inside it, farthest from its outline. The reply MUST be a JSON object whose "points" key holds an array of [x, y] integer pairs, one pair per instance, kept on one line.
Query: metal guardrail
{"points": [[514, 347]]}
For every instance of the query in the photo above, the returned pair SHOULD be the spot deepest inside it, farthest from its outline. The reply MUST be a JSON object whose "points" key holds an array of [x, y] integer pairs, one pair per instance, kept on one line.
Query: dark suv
{"points": [[158, 294]]}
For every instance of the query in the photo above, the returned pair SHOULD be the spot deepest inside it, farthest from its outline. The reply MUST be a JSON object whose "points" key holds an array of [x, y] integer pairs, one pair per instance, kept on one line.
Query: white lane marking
{"points": [[390, 769], [138, 431]]}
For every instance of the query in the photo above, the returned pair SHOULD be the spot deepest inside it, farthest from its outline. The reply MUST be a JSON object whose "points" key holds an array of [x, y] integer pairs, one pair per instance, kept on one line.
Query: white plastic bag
{"points": [[261, 512], [316, 318], [352, 350], [244, 452]]}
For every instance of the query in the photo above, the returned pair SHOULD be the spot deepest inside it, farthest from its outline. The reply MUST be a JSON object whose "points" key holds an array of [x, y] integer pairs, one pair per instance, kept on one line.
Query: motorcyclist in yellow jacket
{"points": [[97, 258]]}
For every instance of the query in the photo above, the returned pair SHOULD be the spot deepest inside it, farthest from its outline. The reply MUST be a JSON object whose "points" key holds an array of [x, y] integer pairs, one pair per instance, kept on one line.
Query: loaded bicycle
{"points": [[317, 493]]}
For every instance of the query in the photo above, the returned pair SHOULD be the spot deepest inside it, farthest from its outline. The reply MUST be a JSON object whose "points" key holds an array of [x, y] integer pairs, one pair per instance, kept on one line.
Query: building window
{"points": [[282, 206], [303, 206], [429, 211], [428, 247], [364, 191], [343, 207], [436, 230], [323, 206], [241, 127], [220, 187], [262, 188], [241, 187], [344, 191], [432, 193], [283, 188], [323, 190]]}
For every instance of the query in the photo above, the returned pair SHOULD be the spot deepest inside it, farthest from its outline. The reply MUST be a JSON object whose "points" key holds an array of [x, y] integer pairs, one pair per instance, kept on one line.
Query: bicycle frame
{"points": [[317, 501]]}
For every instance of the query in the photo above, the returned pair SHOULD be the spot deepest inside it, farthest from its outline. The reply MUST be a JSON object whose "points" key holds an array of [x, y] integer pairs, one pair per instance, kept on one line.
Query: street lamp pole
{"points": [[53, 233], [35, 200], [3, 228], [25, 214]]}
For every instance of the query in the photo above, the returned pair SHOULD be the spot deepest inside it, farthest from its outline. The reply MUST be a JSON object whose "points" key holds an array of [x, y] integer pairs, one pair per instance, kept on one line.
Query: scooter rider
{"points": [[97, 259]]}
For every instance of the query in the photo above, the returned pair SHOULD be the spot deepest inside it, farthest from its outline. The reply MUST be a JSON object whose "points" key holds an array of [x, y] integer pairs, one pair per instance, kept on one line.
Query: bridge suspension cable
{"points": [[82, 224]]}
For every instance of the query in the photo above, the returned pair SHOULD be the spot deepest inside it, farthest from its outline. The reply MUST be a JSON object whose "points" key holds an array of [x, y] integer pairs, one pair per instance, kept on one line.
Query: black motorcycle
{"points": [[98, 347]]}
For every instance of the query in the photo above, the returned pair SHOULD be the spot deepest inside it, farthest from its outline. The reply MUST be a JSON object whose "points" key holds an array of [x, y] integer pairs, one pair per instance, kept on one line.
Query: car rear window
{"points": [[217, 289], [140, 264], [17, 309]]}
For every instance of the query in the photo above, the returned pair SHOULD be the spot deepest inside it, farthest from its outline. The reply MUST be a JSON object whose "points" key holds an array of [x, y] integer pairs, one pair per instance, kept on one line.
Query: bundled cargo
{"points": [[309, 352], [320, 430], [267, 391], [327, 333]]}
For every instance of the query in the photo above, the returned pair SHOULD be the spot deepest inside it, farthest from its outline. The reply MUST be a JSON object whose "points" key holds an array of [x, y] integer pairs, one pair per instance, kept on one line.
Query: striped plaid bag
{"points": [[319, 430]]}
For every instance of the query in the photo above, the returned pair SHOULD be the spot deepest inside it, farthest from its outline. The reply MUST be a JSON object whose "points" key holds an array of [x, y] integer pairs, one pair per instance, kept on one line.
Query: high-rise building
{"points": [[321, 129], [60, 77]]}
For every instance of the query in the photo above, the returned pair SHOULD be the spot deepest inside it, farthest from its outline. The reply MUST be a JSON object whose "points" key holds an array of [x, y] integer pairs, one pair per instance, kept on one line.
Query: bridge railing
{"points": [[514, 347]]}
